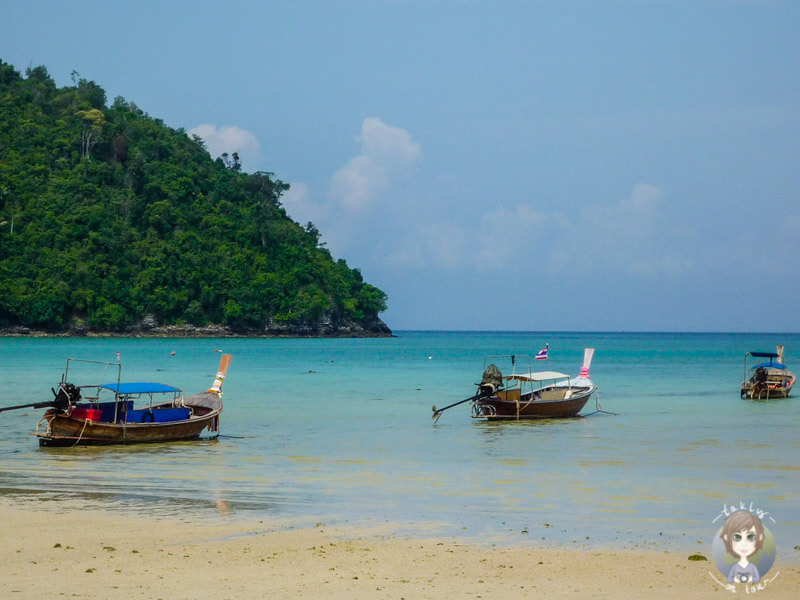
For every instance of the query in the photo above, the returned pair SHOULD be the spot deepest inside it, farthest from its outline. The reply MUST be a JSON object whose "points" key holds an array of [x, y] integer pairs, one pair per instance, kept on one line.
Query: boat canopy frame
{"points": [[772, 364], [118, 365], [529, 376], [122, 391], [539, 376]]}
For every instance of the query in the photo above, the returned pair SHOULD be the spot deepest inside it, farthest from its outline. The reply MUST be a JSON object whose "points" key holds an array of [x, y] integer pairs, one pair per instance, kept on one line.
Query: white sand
{"points": [[107, 556]]}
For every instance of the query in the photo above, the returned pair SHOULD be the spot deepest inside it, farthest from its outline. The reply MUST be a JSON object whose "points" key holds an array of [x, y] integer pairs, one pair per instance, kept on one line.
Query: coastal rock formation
{"points": [[149, 327]]}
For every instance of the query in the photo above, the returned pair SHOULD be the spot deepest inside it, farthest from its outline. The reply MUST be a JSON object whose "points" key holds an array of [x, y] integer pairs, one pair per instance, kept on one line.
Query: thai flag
{"points": [[542, 354]]}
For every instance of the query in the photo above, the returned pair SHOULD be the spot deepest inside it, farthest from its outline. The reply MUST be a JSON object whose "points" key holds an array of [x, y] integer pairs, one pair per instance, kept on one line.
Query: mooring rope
{"points": [[78, 441], [597, 406], [49, 430]]}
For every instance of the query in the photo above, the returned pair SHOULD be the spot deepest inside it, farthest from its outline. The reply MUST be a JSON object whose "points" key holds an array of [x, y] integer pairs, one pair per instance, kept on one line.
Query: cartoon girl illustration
{"points": [[743, 534]]}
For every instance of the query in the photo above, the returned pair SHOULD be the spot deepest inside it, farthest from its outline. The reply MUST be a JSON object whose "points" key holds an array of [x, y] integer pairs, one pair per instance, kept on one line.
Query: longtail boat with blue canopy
{"points": [[766, 377], [126, 413]]}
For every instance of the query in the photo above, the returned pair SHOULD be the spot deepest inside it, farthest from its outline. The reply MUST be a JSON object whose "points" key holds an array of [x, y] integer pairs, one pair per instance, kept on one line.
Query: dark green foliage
{"points": [[107, 215]]}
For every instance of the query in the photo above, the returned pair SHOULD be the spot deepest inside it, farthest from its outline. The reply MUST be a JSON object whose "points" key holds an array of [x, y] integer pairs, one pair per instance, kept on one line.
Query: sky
{"points": [[624, 165]]}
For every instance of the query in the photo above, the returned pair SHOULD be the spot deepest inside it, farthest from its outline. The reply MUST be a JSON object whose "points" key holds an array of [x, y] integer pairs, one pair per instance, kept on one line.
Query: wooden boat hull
{"points": [[532, 406], [778, 385], [60, 429], [752, 392]]}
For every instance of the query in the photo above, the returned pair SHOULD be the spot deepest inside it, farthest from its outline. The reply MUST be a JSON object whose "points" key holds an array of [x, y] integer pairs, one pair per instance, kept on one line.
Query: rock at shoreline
{"points": [[149, 327]]}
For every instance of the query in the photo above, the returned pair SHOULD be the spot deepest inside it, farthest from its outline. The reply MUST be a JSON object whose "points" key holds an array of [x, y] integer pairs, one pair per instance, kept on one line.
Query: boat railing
{"points": [[510, 394], [118, 366], [151, 395], [95, 398]]}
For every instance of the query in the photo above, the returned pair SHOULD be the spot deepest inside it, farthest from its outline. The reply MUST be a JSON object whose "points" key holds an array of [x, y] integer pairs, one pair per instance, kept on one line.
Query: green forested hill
{"points": [[110, 219]]}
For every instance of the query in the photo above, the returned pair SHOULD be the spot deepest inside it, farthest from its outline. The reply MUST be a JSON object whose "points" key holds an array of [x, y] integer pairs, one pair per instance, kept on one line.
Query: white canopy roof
{"points": [[538, 376]]}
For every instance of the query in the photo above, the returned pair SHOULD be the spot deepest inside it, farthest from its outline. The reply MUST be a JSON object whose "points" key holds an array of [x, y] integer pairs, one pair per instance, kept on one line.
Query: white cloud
{"points": [[633, 217], [386, 152], [442, 246], [227, 138], [632, 236], [300, 206], [628, 237], [503, 239], [358, 182], [388, 146], [350, 216], [507, 235]]}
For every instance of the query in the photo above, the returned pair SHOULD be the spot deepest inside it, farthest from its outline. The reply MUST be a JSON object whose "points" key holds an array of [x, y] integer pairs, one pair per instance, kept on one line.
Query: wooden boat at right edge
{"points": [[766, 380]]}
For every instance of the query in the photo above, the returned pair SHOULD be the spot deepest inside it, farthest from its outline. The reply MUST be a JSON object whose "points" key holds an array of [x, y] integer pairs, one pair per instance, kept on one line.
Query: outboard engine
{"points": [[491, 381], [67, 395]]}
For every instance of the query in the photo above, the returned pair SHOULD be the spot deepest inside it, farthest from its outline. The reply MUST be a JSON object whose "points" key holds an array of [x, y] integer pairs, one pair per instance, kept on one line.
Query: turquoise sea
{"points": [[339, 431]]}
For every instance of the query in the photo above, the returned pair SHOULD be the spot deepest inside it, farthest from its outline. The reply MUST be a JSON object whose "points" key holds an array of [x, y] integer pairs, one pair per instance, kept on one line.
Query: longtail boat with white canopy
{"points": [[528, 394]]}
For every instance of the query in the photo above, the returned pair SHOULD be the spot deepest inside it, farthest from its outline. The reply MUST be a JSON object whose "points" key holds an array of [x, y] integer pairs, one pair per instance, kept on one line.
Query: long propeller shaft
{"points": [[437, 412], [31, 405]]}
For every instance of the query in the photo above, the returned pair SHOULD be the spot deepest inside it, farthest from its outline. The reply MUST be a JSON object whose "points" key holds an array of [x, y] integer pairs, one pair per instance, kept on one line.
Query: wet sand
{"points": [[103, 555]]}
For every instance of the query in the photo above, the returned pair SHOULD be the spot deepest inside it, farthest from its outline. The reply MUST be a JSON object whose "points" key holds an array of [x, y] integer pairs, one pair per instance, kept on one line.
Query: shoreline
{"points": [[179, 332], [100, 554]]}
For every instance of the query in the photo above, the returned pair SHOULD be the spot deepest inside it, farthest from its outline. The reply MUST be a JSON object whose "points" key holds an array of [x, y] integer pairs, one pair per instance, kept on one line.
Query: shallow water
{"points": [[340, 431]]}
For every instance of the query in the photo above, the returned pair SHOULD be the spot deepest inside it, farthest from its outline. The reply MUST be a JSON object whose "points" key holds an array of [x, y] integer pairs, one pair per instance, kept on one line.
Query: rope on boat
{"points": [[517, 403], [531, 401], [49, 430], [527, 404], [80, 435]]}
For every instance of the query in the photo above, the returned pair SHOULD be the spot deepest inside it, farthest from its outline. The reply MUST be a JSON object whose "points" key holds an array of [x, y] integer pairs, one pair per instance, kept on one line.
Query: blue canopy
{"points": [[140, 388], [763, 354], [771, 365]]}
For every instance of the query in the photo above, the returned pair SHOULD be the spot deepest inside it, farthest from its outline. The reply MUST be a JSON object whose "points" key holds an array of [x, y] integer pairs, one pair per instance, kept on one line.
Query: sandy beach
{"points": [[88, 555]]}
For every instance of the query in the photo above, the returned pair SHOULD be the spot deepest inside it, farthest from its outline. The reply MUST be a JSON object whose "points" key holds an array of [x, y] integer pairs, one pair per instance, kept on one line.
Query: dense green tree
{"points": [[107, 216]]}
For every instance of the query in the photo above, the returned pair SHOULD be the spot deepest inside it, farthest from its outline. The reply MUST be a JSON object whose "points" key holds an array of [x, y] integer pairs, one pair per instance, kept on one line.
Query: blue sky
{"points": [[542, 165]]}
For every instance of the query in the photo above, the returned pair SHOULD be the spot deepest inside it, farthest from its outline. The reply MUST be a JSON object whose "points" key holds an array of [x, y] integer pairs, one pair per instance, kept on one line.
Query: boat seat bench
{"points": [[144, 415], [161, 415]]}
